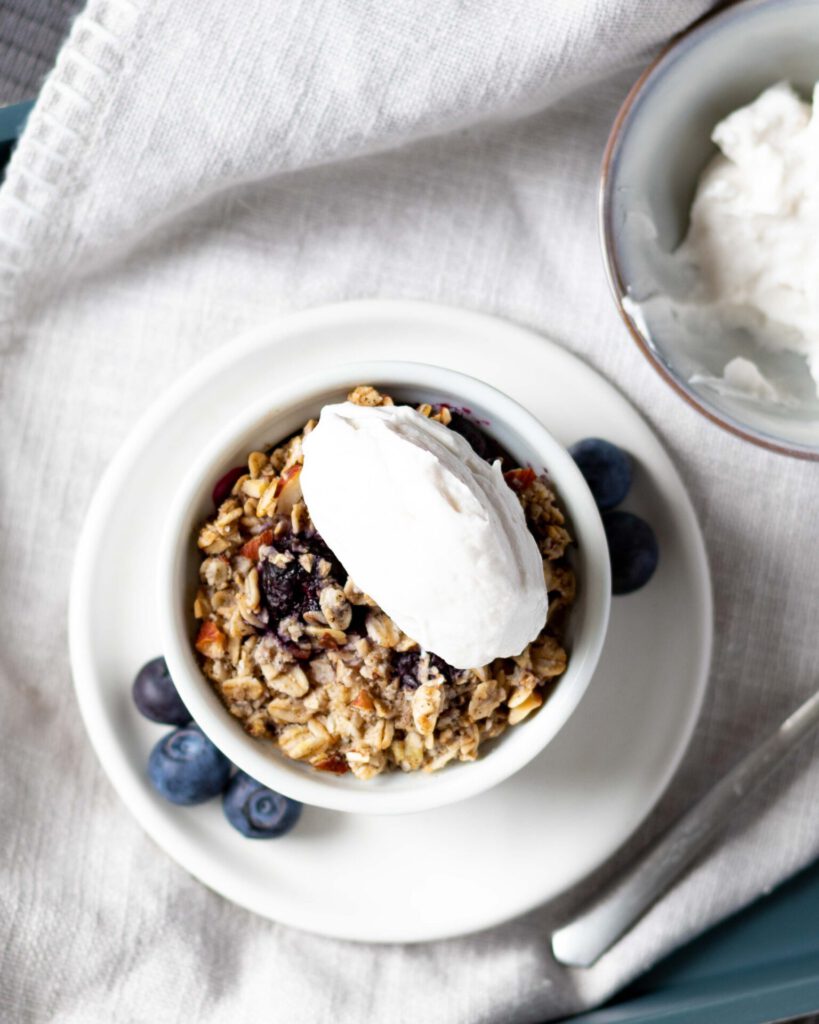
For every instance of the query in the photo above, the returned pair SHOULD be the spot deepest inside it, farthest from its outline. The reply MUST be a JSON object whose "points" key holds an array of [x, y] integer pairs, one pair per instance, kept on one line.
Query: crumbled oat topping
{"points": [[304, 659]]}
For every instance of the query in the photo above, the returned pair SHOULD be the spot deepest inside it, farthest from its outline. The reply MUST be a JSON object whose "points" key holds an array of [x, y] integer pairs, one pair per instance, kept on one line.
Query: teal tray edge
{"points": [[13, 119], [760, 965]]}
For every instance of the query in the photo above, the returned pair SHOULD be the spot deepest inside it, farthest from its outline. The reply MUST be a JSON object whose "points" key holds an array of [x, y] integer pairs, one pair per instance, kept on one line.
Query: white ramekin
{"points": [[281, 414]]}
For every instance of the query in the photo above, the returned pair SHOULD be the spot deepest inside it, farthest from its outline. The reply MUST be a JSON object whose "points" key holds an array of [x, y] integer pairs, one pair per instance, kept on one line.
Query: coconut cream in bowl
{"points": [[709, 215]]}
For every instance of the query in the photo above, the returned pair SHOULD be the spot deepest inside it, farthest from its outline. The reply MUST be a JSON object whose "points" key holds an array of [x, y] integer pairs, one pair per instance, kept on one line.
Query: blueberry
{"points": [[607, 470], [258, 812], [283, 588], [186, 768], [482, 443], [632, 549], [290, 589], [156, 696], [358, 622], [446, 670], [224, 485], [405, 666], [314, 544], [470, 432]]}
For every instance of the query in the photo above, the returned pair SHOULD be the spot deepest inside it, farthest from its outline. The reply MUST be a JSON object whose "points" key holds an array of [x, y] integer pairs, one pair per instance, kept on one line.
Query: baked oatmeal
{"points": [[304, 659]]}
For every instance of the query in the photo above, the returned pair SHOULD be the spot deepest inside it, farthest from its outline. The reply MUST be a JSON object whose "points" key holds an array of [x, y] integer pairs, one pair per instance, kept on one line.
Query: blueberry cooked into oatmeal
{"points": [[307, 660]]}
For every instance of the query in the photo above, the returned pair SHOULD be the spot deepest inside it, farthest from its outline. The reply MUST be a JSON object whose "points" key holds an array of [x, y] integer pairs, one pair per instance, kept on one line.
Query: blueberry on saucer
{"points": [[256, 811], [186, 768]]}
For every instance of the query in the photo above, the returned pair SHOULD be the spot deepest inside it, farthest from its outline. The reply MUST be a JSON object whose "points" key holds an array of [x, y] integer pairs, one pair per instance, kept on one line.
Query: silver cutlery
{"points": [[583, 940]]}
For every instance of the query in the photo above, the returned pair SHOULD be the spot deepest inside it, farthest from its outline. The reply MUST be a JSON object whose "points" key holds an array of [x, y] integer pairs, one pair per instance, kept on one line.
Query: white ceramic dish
{"points": [[275, 417], [539, 832], [659, 145]]}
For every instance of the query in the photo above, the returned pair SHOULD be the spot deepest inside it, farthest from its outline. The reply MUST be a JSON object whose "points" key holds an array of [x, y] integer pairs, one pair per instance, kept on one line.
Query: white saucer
{"points": [[461, 868]]}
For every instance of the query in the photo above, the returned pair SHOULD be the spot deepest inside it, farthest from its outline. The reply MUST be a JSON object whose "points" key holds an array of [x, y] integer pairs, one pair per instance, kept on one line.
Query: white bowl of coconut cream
{"points": [[709, 210], [491, 542]]}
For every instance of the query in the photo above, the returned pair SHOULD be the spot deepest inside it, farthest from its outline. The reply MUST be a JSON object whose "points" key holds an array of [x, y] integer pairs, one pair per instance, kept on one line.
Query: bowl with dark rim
{"points": [[658, 147]]}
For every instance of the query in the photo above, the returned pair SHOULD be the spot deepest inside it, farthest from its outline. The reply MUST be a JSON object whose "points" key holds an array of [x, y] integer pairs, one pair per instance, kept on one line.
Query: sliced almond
{"points": [[364, 701], [533, 701], [335, 764], [288, 490], [250, 549], [210, 640]]}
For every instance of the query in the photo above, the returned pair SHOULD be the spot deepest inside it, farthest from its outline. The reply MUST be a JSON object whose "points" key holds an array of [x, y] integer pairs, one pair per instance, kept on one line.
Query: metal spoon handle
{"points": [[584, 940]]}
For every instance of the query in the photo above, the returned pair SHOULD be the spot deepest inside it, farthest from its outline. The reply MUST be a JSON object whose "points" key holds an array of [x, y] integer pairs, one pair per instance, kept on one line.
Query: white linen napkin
{"points": [[192, 169]]}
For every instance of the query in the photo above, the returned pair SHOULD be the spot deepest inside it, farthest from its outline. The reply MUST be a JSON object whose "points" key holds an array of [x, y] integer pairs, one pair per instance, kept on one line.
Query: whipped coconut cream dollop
{"points": [[428, 529], [754, 229]]}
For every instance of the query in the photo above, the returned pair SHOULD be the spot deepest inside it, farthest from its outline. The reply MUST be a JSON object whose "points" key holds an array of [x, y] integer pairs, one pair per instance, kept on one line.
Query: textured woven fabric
{"points": [[191, 170], [30, 35]]}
